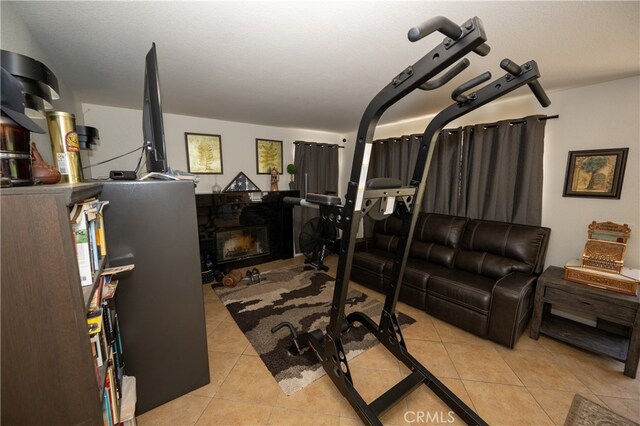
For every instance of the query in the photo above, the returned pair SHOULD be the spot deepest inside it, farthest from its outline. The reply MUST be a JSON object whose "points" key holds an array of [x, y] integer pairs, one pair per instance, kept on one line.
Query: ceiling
{"points": [[314, 65]]}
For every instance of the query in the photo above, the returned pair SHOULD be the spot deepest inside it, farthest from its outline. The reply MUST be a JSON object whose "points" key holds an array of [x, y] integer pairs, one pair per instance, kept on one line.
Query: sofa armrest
{"points": [[511, 304]]}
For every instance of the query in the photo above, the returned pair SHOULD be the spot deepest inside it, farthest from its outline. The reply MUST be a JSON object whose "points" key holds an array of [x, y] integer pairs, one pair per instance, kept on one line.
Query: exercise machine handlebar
{"points": [[457, 94], [482, 50], [446, 77], [539, 93], [446, 27], [514, 69], [437, 23], [511, 67]]}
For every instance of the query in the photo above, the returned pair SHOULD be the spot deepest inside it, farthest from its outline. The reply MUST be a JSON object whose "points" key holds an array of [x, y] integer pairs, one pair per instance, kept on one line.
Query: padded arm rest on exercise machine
{"points": [[313, 200], [383, 183], [325, 200]]}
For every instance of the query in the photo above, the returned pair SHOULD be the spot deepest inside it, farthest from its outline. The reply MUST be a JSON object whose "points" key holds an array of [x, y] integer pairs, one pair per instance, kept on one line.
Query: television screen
{"points": [[152, 125]]}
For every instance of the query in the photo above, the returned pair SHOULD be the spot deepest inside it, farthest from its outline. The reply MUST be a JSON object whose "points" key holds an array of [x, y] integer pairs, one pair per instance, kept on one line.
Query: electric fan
{"points": [[316, 237]]}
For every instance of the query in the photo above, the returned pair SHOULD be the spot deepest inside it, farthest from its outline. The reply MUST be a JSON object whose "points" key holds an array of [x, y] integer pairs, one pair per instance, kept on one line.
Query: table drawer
{"points": [[592, 305]]}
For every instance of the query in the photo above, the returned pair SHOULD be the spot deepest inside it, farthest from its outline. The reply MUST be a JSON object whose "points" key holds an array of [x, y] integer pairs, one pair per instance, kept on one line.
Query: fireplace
{"points": [[240, 229], [242, 243]]}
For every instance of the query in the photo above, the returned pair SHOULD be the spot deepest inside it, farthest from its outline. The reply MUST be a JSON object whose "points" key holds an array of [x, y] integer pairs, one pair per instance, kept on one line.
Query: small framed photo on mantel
{"points": [[268, 156], [204, 153], [595, 173]]}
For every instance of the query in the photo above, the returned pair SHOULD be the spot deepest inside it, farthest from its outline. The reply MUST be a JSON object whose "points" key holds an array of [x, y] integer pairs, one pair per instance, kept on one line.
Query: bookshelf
{"points": [[48, 373]]}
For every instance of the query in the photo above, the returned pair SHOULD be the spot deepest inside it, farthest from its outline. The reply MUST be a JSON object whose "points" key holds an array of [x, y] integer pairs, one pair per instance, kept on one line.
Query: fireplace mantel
{"points": [[247, 216]]}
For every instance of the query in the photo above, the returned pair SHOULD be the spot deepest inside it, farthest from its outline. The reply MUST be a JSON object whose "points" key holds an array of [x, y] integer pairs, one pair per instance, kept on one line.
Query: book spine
{"points": [[93, 246], [113, 396], [83, 255], [118, 333], [106, 315], [106, 408], [95, 345]]}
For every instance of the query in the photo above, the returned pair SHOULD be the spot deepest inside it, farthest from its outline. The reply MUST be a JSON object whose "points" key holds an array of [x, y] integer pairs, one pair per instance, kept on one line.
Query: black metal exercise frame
{"points": [[360, 199]]}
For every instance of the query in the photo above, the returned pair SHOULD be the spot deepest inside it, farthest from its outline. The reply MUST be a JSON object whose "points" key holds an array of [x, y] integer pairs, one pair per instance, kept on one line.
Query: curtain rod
{"points": [[317, 143], [546, 117]]}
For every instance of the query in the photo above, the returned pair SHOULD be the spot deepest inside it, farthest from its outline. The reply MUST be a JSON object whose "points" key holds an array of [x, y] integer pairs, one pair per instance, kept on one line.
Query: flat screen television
{"points": [[152, 124]]}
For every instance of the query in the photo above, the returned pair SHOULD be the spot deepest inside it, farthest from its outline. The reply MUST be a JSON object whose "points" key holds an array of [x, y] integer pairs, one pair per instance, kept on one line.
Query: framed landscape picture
{"points": [[204, 153], [595, 173], [268, 156]]}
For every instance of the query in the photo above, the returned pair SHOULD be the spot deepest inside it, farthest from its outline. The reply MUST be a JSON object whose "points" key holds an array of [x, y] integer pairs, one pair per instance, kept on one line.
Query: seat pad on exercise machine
{"points": [[325, 200]]}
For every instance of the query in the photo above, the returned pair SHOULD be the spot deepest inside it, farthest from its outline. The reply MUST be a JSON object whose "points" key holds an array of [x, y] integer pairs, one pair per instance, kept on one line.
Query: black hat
{"points": [[13, 102]]}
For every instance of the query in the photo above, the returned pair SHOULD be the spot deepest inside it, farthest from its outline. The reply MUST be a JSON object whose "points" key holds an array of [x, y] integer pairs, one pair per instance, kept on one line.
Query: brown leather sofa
{"points": [[478, 275]]}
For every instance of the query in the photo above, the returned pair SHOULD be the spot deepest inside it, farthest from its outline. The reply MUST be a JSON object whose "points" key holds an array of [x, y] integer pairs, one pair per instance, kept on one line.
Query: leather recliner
{"points": [[478, 275]]}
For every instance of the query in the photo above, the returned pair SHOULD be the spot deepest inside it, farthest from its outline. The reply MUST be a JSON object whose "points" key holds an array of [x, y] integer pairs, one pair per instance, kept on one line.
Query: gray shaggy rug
{"points": [[588, 413], [302, 296]]}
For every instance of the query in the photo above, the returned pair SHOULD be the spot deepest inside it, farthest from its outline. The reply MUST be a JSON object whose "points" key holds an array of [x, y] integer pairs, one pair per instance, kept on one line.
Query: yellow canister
{"points": [[65, 146]]}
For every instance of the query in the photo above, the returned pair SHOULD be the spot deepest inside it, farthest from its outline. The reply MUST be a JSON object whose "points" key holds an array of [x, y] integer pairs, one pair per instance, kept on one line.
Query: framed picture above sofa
{"points": [[596, 173]]}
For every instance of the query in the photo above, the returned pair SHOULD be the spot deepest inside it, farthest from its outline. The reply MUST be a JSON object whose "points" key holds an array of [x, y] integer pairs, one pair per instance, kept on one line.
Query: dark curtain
{"points": [[486, 171], [317, 164], [394, 157], [443, 190], [503, 170]]}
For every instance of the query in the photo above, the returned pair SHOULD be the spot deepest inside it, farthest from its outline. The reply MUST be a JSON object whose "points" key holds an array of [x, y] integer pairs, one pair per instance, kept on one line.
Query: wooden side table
{"points": [[609, 306]]}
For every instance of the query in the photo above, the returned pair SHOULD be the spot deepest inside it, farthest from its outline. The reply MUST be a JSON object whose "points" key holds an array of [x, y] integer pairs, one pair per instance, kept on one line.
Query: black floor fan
{"points": [[317, 239]]}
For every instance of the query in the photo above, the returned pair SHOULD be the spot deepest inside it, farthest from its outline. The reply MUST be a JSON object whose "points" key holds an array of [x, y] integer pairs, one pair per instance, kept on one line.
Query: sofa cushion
{"points": [[487, 264], [440, 229], [385, 234], [455, 314], [432, 252], [495, 249], [372, 260], [463, 288], [367, 267], [416, 273]]}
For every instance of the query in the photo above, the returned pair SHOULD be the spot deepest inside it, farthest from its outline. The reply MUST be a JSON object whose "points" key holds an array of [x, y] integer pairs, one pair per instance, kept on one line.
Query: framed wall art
{"points": [[596, 173], [204, 153], [268, 156]]}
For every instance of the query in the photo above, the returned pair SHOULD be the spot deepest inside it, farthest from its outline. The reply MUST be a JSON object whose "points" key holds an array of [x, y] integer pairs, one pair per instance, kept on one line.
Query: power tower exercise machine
{"points": [[383, 196]]}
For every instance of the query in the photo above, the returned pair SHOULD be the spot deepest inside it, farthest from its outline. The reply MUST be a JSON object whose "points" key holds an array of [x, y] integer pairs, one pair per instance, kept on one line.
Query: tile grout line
{"points": [[203, 411], [460, 378]]}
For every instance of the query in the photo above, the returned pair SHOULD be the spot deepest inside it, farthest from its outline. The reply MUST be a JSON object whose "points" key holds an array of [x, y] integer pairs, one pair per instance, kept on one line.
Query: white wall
{"points": [[599, 116], [15, 37], [121, 131]]}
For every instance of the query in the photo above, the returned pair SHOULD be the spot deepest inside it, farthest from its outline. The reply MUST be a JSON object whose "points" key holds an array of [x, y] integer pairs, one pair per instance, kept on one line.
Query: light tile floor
{"points": [[533, 384]]}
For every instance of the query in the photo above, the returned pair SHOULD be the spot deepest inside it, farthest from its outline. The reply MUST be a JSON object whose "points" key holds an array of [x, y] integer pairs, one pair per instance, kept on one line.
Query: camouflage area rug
{"points": [[302, 296]]}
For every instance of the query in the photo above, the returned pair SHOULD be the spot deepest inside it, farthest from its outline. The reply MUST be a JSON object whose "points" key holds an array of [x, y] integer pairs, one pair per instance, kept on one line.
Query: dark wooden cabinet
{"points": [[48, 374], [160, 304], [618, 330]]}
